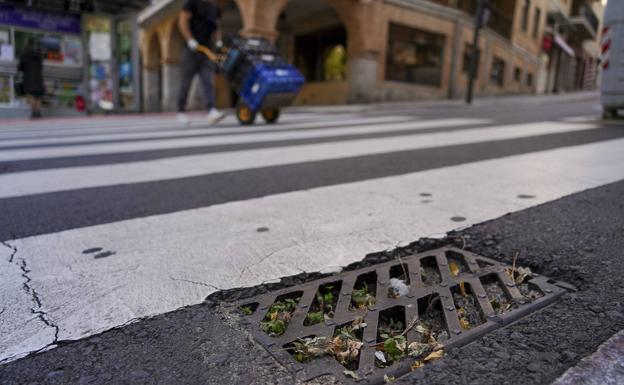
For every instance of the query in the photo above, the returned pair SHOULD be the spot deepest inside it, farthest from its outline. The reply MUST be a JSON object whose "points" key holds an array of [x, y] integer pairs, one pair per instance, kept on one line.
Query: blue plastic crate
{"points": [[264, 81]]}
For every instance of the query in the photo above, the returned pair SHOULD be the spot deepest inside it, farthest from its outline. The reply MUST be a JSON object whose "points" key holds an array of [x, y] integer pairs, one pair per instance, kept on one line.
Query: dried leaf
{"points": [[454, 267], [421, 329], [462, 289], [417, 349], [389, 379], [435, 356], [416, 365], [352, 374], [380, 356], [464, 323]]}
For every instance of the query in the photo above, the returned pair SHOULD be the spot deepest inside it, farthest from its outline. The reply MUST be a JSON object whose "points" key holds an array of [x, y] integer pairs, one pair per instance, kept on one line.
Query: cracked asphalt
{"points": [[578, 239]]}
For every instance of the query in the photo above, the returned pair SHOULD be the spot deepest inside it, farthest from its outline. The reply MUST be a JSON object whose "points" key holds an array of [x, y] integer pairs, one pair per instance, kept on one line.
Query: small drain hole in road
{"points": [[399, 281], [456, 263], [364, 292], [391, 343], [429, 272], [278, 316], [347, 344], [324, 304], [432, 319], [467, 306], [499, 299], [249, 308], [484, 264]]}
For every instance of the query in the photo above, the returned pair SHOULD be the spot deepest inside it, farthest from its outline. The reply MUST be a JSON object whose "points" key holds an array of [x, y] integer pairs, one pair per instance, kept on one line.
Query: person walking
{"points": [[199, 24], [31, 66]]}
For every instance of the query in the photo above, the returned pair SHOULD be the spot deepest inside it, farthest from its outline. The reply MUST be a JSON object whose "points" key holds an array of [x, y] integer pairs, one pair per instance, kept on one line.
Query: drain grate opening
{"points": [[278, 316], [305, 349], [429, 271], [399, 281], [351, 319], [347, 344], [467, 306], [391, 342], [324, 305], [364, 292], [250, 308], [432, 318], [456, 263], [499, 299], [530, 292]]}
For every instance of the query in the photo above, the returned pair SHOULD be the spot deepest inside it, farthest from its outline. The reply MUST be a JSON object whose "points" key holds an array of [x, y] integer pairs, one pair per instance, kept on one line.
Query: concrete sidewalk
{"points": [[518, 100]]}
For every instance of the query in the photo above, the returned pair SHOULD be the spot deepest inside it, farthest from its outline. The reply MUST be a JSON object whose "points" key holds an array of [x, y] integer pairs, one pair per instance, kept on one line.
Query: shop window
{"points": [[321, 55], [517, 74], [62, 49], [497, 76], [536, 22], [467, 63], [125, 68], [414, 56], [530, 79]]}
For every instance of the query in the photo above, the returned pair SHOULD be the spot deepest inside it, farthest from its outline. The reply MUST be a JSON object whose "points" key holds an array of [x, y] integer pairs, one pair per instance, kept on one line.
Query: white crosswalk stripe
{"points": [[37, 182], [176, 132], [163, 262]]}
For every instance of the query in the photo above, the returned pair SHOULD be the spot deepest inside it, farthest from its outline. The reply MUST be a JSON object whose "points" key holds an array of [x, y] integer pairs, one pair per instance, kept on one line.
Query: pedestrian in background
{"points": [[199, 24], [31, 66]]}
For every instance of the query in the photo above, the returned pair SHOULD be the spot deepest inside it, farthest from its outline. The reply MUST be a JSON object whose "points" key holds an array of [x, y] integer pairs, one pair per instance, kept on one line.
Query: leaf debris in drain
{"points": [[430, 303]]}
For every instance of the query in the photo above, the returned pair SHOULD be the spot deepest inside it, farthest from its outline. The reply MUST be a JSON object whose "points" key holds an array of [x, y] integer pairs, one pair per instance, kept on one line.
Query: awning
{"points": [[156, 11], [564, 46]]}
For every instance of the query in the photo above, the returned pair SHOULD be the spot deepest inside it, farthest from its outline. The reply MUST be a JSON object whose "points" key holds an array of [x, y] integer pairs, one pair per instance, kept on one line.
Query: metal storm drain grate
{"points": [[386, 320]]}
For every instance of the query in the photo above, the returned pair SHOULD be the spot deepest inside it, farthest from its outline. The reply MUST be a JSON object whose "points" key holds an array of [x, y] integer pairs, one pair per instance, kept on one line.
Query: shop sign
{"points": [[47, 21]]}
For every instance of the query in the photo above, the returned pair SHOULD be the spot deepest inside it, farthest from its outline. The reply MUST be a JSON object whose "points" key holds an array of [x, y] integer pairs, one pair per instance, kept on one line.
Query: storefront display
{"points": [[90, 60], [98, 30], [124, 63]]}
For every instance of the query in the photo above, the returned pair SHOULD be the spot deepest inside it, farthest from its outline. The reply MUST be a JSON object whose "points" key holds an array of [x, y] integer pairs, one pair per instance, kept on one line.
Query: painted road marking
{"points": [[164, 262], [45, 181]]}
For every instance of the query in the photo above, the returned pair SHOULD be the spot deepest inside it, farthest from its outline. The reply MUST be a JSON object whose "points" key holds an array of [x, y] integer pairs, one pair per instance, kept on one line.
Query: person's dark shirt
{"points": [[205, 15], [31, 64]]}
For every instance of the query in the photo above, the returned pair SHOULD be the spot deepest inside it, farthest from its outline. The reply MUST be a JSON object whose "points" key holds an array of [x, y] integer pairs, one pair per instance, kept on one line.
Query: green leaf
{"points": [[315, 317]]}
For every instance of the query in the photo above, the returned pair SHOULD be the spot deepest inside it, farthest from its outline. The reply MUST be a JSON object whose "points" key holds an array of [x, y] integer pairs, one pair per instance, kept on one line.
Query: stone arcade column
{"points": [[363, 20]]}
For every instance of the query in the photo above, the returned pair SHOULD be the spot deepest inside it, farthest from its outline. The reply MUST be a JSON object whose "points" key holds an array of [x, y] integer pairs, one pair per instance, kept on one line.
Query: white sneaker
{"points": [[215, 116], [183, 118]]}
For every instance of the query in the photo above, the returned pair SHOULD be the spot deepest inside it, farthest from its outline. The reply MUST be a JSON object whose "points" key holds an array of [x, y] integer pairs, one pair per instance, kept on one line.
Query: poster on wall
{"points": [[100, 46], [101, 85]]}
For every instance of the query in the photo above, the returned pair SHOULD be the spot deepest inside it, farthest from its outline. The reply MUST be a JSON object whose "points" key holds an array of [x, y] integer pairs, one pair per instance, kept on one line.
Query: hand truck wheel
{"points": [[271, 115], [245, 115]]}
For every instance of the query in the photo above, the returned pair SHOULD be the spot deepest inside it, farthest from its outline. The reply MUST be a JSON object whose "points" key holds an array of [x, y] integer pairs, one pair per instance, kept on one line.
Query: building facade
{"points": [[571, 50], [358, 51]]}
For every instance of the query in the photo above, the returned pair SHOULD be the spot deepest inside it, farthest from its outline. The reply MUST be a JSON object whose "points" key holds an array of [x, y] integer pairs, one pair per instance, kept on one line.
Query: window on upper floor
{"points": [[526, 7], [536, 22]]}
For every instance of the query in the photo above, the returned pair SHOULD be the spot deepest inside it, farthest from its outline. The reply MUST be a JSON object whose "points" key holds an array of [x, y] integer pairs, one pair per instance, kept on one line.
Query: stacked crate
{"points": [[259, 74]]}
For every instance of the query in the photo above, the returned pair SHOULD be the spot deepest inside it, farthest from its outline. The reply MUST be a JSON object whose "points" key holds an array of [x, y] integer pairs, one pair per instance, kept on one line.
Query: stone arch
{"points": [[363, 31]]}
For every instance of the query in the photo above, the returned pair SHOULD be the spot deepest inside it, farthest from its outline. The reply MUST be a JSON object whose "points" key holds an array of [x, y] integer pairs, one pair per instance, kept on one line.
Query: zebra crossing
{"points": [[110, 220]]}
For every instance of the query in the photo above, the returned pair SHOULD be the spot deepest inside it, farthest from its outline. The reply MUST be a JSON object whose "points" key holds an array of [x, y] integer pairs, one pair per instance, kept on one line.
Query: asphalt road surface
{"points": [[108, 221]]}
